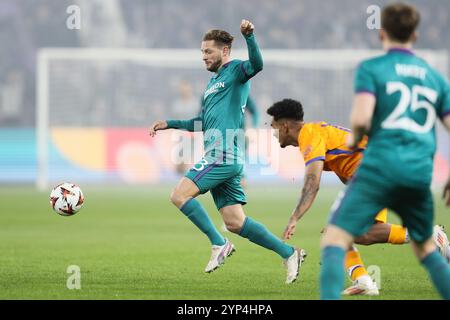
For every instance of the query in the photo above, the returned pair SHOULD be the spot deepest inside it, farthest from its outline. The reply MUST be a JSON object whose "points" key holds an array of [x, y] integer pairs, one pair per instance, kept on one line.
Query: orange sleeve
{"points": [[311, 145]]}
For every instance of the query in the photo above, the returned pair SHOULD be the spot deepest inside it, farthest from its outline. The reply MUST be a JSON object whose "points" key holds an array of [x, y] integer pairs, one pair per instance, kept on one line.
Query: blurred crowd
{"points": [[26, 26]]}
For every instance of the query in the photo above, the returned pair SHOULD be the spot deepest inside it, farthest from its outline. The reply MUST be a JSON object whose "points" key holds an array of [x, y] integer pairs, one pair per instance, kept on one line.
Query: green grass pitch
{"points": [[131, 243]]}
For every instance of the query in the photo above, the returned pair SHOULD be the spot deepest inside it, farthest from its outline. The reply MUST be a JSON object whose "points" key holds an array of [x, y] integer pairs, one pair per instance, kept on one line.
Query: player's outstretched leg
{"points": [[333, 247], [246, 227], [362, 282], [183, 197], [384, 233], [438, 269]]}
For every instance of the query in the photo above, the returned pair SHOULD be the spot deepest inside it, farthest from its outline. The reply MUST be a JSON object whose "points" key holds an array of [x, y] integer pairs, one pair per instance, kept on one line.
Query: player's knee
{"points": [[233, 226], [177, 198]]}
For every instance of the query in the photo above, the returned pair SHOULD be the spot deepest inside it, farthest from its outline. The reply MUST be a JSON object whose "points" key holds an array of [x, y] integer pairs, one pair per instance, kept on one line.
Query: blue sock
{"points": [[439, 272], [198, 215], [332, 273], [259, 234]]}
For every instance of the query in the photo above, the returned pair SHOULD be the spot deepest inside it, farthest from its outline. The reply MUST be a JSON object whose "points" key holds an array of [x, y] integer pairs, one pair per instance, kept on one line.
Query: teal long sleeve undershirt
{"points": [[254, 64], [251, 67], [188, 125]]}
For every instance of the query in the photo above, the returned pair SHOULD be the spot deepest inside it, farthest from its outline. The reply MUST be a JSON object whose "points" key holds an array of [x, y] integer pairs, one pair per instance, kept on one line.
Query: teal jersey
{"points": [[410, 96], [223, 107], [250, 108], [223, 110]]}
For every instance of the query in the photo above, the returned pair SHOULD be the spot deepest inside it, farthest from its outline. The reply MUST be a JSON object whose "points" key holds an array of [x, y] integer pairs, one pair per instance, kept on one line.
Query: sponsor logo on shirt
{"points": [[213, 89]]}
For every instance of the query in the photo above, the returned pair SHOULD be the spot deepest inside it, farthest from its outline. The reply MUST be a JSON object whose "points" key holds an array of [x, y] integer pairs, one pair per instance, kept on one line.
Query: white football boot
{"points": [[218, 255], [362, 286], [441, 240], [293, 264]]}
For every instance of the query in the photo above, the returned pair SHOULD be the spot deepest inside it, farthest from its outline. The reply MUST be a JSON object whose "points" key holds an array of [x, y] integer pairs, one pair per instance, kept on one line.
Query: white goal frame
{"points": [[184, 58]]}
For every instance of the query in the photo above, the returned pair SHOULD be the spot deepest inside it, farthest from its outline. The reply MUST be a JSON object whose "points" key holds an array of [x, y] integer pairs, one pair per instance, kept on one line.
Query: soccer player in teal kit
{"points": [[221, 168], [398, 98]]}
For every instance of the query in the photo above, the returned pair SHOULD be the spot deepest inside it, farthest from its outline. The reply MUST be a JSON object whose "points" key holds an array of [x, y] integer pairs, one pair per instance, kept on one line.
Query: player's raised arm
{"points": [[255, 63], [310, 188]]}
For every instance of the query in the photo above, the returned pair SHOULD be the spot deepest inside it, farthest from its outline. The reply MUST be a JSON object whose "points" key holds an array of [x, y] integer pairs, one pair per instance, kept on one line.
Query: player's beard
{"points": [[215, 65]]}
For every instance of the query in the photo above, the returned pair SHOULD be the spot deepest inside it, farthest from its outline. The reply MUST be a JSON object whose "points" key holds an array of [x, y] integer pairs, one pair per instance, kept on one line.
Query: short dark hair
{"points": [[400, 21], [221, 37], [286, 109]]}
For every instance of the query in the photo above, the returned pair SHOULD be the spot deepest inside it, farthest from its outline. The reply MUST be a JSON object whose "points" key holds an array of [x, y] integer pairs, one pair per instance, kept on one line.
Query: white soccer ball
{"points": [[66, 199]]}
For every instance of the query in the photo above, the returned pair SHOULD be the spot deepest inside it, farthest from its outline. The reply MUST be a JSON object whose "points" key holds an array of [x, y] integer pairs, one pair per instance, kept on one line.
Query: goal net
{"points": [[94, 107]]}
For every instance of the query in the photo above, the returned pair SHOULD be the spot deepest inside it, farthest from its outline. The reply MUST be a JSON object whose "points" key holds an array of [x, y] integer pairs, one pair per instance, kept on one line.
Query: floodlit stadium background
{"points": [[98, 110]]}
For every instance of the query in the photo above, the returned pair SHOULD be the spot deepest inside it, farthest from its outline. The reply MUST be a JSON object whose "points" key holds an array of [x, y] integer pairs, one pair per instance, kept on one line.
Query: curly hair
{"points": [[286, 109]]}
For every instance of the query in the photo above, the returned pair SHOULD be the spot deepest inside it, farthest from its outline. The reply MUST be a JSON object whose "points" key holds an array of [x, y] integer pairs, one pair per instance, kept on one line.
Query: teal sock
{"points": [[259, 234], [332, 273], [439, 271], [198, 215]]}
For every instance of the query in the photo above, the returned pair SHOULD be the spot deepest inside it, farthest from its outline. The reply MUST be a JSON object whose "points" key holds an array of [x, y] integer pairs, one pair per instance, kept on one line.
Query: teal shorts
{"points": [[356, 208], [223, 180]]}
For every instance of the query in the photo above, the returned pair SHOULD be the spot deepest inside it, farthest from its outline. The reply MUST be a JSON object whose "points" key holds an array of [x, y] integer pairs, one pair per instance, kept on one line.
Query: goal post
{"points": [[81, 91]]}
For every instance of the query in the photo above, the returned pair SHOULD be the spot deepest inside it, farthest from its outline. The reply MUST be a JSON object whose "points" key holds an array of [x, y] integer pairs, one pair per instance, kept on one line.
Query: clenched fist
{"points": [[247, 27]]}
